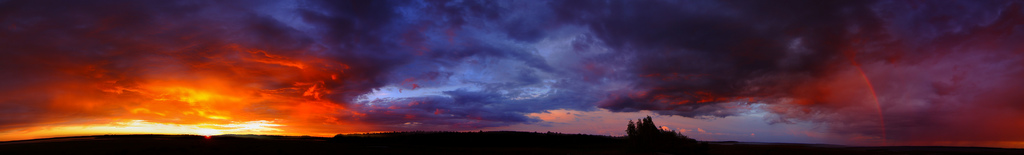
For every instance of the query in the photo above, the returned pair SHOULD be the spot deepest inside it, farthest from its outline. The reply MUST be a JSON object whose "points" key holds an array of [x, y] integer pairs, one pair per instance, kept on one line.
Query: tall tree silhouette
{"points": [[631, 129], [645, 136]]}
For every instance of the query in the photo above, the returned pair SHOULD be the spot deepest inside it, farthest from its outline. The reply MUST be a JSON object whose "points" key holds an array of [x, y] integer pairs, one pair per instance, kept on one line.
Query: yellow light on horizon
{"points": [[146, 127], [208, 132]]}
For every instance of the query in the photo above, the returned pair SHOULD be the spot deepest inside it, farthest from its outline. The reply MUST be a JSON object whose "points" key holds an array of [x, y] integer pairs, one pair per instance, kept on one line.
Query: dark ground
{"points": [[423, 143]]}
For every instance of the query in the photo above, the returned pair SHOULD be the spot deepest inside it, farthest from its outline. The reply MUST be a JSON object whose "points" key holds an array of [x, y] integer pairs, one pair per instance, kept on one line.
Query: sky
{"points": [[868, 73]]}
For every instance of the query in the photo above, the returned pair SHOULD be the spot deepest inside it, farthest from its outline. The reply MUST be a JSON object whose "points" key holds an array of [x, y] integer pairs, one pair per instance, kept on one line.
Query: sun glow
{"points": [[146, 127], [245, 91], [208, 132]]}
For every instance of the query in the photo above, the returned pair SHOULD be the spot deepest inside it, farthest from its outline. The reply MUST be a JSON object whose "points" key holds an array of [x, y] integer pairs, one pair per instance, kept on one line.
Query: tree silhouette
{"points": [[645, 136]]}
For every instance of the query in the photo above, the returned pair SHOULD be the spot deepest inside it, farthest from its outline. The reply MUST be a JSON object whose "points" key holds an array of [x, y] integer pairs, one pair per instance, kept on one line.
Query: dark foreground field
{"points": [[422, 143]]}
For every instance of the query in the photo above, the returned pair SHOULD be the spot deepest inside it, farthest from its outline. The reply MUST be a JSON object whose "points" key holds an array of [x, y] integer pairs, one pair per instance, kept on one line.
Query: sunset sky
{"points": [[902, 72]]}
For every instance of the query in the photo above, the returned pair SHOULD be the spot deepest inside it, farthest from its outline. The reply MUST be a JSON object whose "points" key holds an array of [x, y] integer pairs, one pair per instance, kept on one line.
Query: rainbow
{"points": [[881, 117]]}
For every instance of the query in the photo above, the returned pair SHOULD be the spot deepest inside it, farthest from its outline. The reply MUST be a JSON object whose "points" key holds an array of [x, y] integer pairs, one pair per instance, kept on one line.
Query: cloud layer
{"points": [[875, 71]]}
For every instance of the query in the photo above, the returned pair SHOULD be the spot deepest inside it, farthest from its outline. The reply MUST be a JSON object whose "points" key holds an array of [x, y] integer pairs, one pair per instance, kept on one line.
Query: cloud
{"points": [[470, 109], [167, 62], [849, 66], [688, 61], [922, 68]]}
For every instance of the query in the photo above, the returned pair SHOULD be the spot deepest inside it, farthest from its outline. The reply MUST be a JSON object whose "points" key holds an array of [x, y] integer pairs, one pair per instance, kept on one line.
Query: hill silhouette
{"points": [[496, 142], [482, 139]]}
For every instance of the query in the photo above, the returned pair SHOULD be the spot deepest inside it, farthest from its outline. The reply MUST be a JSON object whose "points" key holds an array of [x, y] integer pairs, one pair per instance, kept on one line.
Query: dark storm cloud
{"points": [[357, 33], [485, 46], [711, 52], [808, 60], [956, 70], [942, 72]]}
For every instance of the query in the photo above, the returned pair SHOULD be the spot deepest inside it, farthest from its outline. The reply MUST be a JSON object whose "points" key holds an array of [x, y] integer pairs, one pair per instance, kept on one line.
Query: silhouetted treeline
{"points": [[644, 136], [481, 139]]}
